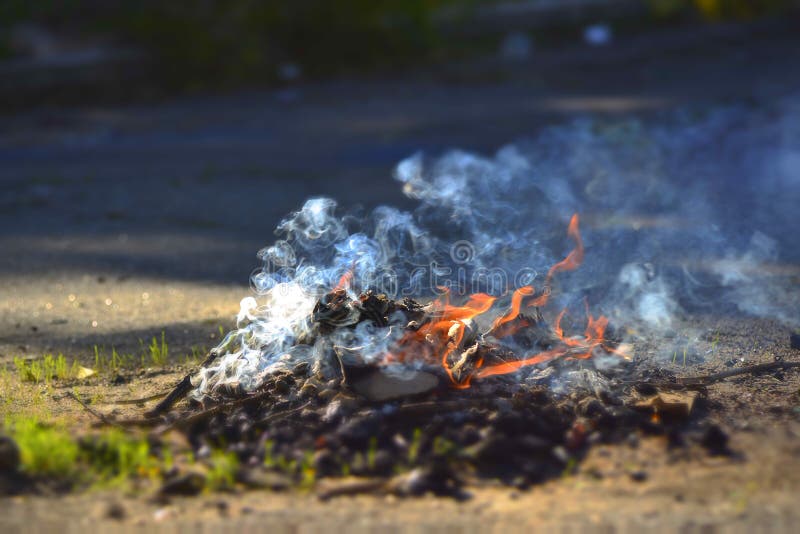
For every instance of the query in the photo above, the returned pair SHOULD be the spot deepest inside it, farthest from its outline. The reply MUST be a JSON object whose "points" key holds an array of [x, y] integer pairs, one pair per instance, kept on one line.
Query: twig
{"points": [[271, 418], [705, 380], [180, 390], [205, 414], [433, 407], [92, 411], [752, 369], [140, 400]]}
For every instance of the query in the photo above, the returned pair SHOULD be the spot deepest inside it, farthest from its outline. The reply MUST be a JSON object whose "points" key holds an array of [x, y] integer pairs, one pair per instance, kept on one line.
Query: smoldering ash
{"points": [[588, 222]]}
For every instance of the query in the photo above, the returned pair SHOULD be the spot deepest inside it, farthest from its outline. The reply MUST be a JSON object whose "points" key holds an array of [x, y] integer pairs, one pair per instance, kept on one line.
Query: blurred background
{"points": [[148, 149]]}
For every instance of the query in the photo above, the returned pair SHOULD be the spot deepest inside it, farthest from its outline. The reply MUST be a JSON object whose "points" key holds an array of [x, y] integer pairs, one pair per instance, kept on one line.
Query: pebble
{"points": [[715, 440], [255, 478], [191, 483], [116, 510], [9, 455], [638, 476]]}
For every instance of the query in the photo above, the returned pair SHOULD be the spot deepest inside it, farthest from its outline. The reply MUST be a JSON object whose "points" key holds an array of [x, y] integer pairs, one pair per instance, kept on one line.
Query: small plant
{"points": [[269, 459], [307, 472], [159, 353], [443, 446], [116, 456], [112, 363], [372, 451], [46, 369], [715, 341], [222, 471], [45, 450], [28, 371], [414, 447]]}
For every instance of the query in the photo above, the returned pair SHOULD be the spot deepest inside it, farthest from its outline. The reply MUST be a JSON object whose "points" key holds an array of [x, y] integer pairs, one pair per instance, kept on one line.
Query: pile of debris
{"points": [[422, 430]]}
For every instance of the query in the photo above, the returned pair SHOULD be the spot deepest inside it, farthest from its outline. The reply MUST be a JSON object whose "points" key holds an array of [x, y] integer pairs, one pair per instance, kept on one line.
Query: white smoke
{"points": [[666, 208]]}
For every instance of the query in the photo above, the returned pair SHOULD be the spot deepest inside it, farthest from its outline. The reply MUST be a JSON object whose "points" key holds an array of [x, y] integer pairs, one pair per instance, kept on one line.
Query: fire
{"points": [[345, 281], [443, 335]]}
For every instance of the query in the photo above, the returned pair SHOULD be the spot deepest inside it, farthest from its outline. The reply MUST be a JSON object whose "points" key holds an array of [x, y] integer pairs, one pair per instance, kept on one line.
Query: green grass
{"points": [[414, 447], [303, 471], [45, 450], [371, 452], [159, 353], [221, 475], [116, 457], [113, 457], [308, 474], [45, 369], [715, 341], [155, 354]]}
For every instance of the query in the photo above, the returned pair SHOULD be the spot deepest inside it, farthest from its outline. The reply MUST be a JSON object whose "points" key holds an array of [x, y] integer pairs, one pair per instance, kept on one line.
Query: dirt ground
{"points": [[119, 223]]}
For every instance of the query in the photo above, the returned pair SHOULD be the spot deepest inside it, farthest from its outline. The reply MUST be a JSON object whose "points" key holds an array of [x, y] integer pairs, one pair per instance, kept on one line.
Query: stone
{"points": [[9, 455]]}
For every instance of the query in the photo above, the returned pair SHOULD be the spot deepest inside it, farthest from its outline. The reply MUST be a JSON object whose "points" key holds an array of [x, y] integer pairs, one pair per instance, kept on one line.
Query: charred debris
{"points": [[354, 426]]}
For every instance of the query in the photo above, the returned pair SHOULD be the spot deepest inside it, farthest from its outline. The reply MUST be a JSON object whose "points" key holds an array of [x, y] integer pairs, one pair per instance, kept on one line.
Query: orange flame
{"points": [[516, 302], [344, 281], [444, 332]]}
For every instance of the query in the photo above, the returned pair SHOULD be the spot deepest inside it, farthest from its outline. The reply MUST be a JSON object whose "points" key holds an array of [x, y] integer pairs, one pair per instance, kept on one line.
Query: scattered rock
{"points": [[715, 440], [191, 483], [9, 455], [301, 369], [119, 380], [329, 488], [638, 475], [116, 510], [340, 406], [677, 405], [222, 506], [794, 340], [438, 479], [259, 479]]}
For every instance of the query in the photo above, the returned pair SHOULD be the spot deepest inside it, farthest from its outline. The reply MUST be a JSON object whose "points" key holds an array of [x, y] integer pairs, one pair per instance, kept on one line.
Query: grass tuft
{"points": [[45, 450], [116, 457], [159, 353], [221, 475], [45, 369]]}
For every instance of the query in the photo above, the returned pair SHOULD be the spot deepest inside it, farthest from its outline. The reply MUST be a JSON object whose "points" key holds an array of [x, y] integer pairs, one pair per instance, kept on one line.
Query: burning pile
{"points": [[412, 410], [401, 338], [417, 342]]}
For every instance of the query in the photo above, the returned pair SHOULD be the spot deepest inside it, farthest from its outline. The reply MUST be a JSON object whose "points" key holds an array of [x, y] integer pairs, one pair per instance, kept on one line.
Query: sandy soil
{"points": [[638, 484]]}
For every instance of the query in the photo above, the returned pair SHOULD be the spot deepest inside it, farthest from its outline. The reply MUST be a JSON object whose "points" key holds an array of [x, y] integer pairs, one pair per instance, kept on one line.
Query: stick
{"points": [[92, 411], [181, 390], [140, 400], [704, 380], [271, 418], [205, 414], [752, 369]]}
